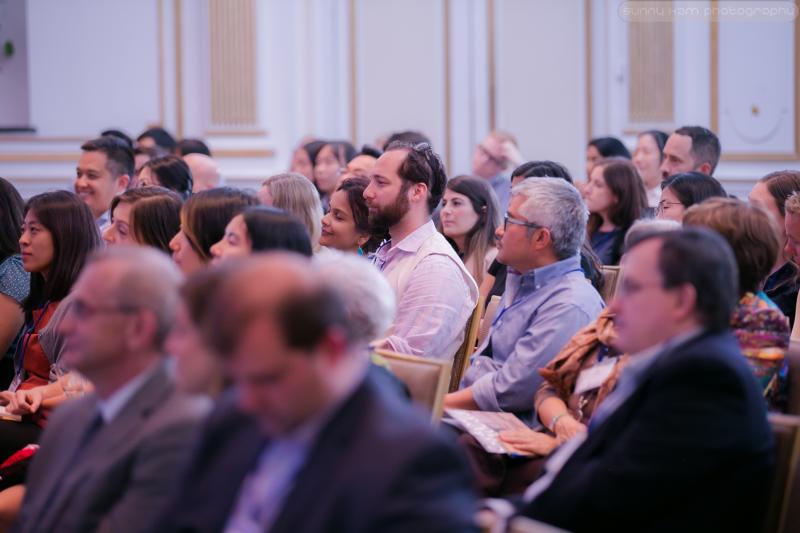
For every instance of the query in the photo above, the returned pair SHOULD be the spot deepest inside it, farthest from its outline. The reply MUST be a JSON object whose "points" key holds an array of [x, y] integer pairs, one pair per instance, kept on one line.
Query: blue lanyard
{"points": [[525, 299], [28, 332]]}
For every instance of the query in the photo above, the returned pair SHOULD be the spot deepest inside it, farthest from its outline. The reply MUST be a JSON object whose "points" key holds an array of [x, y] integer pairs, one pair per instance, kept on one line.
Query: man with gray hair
{"points": [[368, 299], [546, 301], [108, 460]]}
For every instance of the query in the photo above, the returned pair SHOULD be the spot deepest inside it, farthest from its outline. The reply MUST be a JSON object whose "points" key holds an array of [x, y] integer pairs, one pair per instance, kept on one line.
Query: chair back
{"points": [[783, 513], [488, 318], [611, 276], [461, 359], [793, 360], [521, 524], [426, 379]]}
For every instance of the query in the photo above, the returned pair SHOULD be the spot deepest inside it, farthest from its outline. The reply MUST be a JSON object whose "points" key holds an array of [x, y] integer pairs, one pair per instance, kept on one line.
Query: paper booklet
{"points": [[484, 426], [8, 416]]}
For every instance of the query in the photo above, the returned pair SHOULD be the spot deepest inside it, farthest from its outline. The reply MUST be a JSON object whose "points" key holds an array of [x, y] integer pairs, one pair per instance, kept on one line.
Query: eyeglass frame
{"points": [[518, 222], [662, 205]]}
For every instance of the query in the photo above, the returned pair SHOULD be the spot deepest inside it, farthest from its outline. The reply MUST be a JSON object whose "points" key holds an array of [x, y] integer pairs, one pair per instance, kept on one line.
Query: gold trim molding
{"points": [[490, 59]]}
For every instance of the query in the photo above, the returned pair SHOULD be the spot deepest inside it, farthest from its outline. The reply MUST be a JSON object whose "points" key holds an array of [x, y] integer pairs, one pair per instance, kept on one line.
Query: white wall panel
{"points": [[400, 68], [540, 78]]}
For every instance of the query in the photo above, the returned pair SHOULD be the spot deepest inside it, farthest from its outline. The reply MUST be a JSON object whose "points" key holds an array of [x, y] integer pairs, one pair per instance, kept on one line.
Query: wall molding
{"points": [[714, 98]]}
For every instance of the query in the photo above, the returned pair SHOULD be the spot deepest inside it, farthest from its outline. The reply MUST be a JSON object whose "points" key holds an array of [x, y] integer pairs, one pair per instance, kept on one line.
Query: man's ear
{"points": [[705, 168], [685, 301], [122, 182], [419, 192]]}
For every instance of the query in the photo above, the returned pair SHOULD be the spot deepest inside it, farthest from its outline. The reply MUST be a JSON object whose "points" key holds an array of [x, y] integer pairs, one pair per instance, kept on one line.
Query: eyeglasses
{"points": [[511, 220], [491, 157], [84, 310], [663, 205]]}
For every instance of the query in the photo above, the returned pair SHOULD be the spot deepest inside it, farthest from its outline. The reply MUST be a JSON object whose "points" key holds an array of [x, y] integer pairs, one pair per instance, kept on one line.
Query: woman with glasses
{"points": [[331, 161], [58, 234], [203, 220], [169, 171], [682, 191], [468, 219], [615, 198]]}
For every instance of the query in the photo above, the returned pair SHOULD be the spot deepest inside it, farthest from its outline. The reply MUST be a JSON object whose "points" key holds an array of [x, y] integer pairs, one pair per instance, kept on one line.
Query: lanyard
{"points": [[28, 332], [520, 301]]}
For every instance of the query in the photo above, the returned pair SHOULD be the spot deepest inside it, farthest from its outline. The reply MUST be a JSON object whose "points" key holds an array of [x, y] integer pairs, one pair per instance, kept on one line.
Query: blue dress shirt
{"points": [[540, 312]]}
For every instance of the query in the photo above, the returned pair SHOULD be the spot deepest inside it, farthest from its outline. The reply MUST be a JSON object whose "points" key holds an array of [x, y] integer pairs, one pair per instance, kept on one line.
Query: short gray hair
{"points": [[368, 298], [148, 279], [555, 204], [648, 226]]}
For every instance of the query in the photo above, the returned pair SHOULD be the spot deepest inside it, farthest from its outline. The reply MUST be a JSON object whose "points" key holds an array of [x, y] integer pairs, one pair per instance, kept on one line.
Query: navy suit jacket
{"points": [[690, 450], [377, 465]]}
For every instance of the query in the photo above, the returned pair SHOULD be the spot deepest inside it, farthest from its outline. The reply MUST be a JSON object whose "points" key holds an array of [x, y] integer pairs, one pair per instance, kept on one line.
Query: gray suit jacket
{"points": [[119, 481]]}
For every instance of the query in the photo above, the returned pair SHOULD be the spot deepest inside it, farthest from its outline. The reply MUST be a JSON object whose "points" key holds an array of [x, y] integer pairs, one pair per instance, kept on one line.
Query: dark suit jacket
{"points": [[123, 474], [690, 450], [377, 465]]}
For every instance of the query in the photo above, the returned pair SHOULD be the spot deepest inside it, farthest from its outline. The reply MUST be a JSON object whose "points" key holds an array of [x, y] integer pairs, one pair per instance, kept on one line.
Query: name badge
{"points": [[591, 378]]}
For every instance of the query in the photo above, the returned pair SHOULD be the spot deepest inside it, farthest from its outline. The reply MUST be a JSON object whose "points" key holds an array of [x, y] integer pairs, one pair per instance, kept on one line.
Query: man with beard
{"points": [[435, 292]]}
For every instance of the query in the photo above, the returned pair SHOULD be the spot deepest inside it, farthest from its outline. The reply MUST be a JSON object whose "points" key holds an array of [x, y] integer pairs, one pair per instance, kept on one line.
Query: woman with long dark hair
{"points": [[468, 219], [346, 226], [615, 198], [58, 234]]}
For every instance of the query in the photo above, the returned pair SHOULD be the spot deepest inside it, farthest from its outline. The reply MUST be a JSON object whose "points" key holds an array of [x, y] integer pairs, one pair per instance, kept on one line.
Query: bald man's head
{"points": [[205, 172]]}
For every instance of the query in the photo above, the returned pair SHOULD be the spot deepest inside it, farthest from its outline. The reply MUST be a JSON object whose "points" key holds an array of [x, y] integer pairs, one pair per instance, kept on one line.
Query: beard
{"points": [[381, 220]]}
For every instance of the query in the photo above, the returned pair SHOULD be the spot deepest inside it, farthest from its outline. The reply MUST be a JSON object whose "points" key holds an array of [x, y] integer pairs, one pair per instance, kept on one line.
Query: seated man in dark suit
{"points": [[683, 443], [307, 441], [108, 460]]}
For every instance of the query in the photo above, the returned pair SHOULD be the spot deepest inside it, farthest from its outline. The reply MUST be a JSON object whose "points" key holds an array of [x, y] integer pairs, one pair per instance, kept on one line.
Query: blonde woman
{"points": [[295, 194]]}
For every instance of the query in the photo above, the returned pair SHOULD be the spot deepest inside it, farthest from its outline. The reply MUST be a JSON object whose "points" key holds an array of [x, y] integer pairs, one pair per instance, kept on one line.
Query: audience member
{"points": [[104, 170], [157, 138], [149, 216], [169, 171], [192, 146], [435, 292], [304, 158], [15, 282], [205, 172], [683, 439], [198, 368], [615, 198], [648, 156], [407, 136], [469, 218], [330, 163], [601, 148], [492, 157], [295, 194], [203, 220], [792, 227], [58, 233], [346, 226], [119, 135], [321, 423], [494, 281], [691, 149], [259, 229], [362, 164], [760, 327], [546, 301], [108, 460], [771, 193], [140, 157], [679, 192]]}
